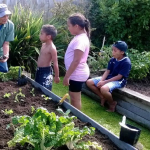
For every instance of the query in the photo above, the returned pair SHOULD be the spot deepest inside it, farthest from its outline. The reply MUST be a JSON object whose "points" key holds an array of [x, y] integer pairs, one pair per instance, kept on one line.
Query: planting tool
{"points": [[22, 80], [64, 97]]}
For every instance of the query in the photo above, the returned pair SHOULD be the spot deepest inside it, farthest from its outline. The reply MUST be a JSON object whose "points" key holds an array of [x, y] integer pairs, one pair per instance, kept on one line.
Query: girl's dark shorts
{"points": [[75, 86]]}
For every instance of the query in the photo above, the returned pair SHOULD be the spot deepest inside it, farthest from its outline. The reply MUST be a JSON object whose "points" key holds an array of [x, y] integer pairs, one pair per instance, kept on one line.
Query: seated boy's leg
{"points": [[106, 92], [92, 84]]}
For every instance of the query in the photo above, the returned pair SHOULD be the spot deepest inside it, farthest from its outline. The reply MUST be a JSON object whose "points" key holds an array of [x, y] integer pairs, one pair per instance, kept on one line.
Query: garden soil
{"points": [[141, 86], [23, 107]]}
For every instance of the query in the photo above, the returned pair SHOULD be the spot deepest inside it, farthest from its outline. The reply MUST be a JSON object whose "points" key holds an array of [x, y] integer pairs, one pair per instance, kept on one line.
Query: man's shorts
{"points": [[112, 85], [44, 76], [75, 86]]}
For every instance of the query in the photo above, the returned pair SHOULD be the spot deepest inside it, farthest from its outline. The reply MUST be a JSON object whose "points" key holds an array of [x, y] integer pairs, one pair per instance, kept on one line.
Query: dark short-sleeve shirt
{"points": [[122, 67], [6, 34]]}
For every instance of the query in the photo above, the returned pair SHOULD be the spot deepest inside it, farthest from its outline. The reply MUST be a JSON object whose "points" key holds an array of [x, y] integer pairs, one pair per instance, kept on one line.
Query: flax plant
{"points": [[25, 47]]}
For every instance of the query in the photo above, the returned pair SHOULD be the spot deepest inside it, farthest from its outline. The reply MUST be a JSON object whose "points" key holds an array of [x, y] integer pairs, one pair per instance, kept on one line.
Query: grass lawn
{"points": [[108, 120]]}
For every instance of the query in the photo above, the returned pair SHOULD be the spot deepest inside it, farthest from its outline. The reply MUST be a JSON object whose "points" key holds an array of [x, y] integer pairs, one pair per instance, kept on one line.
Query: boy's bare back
{"points": [[46, 55]]}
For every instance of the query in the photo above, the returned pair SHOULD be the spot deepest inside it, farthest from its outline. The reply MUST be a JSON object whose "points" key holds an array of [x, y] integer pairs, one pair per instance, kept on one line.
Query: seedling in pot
{"points": [[7, 112], [20, 94], [32, 92], [22, 80], [7, 95], [46, 97]]}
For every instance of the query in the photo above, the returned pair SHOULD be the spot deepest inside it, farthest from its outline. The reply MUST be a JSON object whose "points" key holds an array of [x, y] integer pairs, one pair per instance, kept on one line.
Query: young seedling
{"points": [[32, 109], [7, 95], [32, 92], [46, 97], [7, 112], [20, 94]]}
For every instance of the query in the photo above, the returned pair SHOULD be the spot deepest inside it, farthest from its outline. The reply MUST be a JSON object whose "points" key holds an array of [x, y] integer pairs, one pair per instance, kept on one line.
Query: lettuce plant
{"points": [[45, 130]]}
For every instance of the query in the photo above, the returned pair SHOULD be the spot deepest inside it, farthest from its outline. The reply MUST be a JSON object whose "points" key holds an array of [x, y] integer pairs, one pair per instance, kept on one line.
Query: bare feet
{"points": [[103, 102], [112, 106]]}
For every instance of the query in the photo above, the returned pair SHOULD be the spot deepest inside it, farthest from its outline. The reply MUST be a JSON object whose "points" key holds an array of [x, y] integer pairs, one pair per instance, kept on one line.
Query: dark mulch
{"points": [[24, 108]]}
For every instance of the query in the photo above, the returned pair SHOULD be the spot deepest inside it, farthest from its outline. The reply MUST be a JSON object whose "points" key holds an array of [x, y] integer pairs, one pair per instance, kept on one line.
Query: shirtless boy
{"points": [[48, 54]]}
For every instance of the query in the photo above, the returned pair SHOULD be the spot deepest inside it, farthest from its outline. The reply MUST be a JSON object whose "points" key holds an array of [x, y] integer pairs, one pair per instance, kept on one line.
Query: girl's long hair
{"points": [[81, 21]]}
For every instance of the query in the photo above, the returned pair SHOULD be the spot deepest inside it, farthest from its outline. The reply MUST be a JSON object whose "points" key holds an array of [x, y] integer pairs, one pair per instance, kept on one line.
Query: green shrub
{"points": [[13, 74], [140, 64], [24, 48], [121, 20], [99, 60]]}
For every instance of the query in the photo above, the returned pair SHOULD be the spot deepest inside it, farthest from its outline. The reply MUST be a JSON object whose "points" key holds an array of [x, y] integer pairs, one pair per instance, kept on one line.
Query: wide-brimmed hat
{"points": [[121, 45], [4, 10]]}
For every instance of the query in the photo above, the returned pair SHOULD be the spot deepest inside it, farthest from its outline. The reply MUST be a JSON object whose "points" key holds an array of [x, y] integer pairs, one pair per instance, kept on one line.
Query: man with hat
{"points": [[114, 77], [6, 35]]}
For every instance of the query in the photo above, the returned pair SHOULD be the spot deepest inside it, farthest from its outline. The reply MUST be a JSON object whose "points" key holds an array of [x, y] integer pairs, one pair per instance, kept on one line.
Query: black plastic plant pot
{"points": [[128, 135], [22, 81]]}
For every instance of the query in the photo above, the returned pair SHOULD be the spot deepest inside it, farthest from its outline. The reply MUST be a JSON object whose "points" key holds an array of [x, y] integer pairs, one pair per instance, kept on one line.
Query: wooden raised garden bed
{"points": [[22, 106]]}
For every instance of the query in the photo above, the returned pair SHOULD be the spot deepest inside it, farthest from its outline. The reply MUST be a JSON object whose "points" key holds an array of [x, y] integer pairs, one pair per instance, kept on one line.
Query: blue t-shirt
{"points": [[122, 67]]}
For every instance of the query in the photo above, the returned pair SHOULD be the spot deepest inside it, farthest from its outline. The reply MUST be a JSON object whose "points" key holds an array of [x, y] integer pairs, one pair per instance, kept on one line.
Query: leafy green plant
{"points": [[32, 92], [7, 95], [7, 112], [46, 97], [11, 75], [19, 95], [32, 109], [140, 64], [25, 47], [100, 60], [45, 130]]}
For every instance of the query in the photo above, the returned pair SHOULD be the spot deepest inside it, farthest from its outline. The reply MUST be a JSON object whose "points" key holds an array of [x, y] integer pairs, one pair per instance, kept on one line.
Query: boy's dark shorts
{"points": [[44, 76], [75, 86]]}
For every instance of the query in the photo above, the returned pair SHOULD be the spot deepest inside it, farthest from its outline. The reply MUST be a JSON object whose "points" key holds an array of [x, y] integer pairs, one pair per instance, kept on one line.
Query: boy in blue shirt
{"points": [[114, 77]]}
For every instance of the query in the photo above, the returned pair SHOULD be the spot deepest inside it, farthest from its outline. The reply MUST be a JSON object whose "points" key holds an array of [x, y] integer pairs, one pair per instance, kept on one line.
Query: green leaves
{"points": [[47, 130], [11, 75], [140, 64], [26, 43], [7, 112], [121, 20]]}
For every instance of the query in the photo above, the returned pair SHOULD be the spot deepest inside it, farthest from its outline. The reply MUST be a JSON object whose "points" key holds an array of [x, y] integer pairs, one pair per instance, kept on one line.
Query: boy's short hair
{"points": [[121, 45], [50, 30]]}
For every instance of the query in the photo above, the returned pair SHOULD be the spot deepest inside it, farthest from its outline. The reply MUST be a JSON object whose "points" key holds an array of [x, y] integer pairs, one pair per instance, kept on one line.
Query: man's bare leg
{"points": [[96, 90]]}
